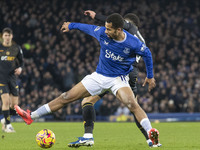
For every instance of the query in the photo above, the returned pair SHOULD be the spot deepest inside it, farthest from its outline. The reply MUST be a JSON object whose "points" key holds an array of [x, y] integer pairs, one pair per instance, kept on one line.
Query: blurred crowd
{"points": [[56, 61]]}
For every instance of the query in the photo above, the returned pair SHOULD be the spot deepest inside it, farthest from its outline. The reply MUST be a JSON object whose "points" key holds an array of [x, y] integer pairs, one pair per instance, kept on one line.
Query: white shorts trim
{"points": [[96, 83]]}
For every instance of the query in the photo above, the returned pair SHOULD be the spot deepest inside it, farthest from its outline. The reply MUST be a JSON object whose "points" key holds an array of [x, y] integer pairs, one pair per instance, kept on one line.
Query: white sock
{"points": [[145, 123], [148, 141], [41, 111], [88, 135]]}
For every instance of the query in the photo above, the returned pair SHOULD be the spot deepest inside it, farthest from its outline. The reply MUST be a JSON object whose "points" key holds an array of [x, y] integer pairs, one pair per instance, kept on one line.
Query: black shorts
{"points": [[133, 80], [10, 87]]}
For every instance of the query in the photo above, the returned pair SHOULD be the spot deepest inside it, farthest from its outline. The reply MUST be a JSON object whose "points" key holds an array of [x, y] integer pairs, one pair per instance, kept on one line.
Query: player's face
{"points": [[111, 32], [7, 38]]}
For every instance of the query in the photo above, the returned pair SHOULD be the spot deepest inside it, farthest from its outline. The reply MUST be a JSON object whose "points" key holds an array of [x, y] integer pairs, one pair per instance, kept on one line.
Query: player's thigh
{"points": [[126, 96], [13, 87], [90, 99], [77, 92], [133, 80]]}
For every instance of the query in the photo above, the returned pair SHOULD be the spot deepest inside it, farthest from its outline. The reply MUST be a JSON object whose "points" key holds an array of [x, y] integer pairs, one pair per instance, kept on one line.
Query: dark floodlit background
{"points": [[56, 61]]}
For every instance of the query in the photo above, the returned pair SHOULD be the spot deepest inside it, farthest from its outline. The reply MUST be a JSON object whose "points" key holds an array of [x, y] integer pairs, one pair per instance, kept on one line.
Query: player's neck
{"points": [[121, 36], [7, 44]]}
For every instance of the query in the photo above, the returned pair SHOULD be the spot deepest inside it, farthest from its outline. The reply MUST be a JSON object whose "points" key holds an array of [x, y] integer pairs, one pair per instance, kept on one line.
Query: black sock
{"points": [[6, 114], [141, 128], [12, 112], [89, 117]]}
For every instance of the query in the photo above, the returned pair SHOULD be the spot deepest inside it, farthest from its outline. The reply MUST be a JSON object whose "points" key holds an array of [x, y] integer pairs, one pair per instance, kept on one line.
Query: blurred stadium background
{"points": [[54, 61]]}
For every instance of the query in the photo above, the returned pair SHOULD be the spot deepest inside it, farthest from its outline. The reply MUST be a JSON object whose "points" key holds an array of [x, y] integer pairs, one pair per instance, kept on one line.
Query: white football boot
{"points": [[9, 129]]}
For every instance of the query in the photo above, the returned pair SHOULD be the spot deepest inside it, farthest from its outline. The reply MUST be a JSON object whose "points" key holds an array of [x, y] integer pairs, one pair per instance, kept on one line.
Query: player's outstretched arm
{"points": [[92, 30]]}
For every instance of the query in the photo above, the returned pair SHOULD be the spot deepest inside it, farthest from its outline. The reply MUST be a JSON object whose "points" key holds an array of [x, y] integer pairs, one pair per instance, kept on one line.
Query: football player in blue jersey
{"points": [[131, 23], [118, 48]]}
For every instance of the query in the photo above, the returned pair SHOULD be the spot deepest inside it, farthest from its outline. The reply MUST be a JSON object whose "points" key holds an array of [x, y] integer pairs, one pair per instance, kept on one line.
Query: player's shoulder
{"points": [[16, 47], [131, 37], [133, 29]]}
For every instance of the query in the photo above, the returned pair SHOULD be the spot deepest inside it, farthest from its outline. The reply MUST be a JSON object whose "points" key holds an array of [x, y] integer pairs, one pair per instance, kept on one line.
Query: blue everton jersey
{"points": [[116, 57]]}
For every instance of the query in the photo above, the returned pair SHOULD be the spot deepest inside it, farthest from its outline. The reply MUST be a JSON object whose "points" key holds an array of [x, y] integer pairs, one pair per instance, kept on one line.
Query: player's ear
{"points": [[119, 29]]}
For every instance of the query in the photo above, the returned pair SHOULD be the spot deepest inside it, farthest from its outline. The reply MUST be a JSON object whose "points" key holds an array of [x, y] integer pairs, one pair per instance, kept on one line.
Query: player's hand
{"points": [[151, 82], [65, 27], [18, 71], [90, 13]]}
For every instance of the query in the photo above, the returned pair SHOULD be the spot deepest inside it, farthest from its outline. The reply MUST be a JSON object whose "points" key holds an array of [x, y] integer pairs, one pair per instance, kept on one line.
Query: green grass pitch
{"points": [[108, 136]]}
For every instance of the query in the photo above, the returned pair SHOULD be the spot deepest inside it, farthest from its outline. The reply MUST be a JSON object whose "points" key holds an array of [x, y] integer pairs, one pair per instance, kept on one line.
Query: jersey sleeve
{"points": [[141, 49], [20, 58], [92, 30]]}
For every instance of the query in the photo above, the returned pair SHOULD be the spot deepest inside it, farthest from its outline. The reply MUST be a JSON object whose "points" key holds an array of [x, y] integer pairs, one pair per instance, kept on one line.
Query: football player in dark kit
{"points": [[11, 62], [131, 24]]}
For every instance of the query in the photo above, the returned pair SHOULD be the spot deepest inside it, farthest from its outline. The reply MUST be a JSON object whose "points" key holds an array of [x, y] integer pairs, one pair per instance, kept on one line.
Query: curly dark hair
{"points": [[133, 18], [116, 20]]}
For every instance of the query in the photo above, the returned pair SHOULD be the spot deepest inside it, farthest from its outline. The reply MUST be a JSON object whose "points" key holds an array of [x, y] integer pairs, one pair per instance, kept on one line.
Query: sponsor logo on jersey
{"points": [[7, 58], [111, 55], [126, 50], [97, 28], [106, 43]]}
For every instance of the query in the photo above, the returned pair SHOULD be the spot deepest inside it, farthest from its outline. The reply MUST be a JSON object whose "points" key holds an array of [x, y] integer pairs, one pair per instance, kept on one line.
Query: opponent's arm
{"points": [[142, 50], [20, 62], [93, 15], [102, 18]]}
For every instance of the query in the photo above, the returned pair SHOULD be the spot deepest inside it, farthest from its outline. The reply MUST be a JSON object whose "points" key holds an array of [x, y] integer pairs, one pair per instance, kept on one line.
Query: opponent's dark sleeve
{"points": [[133, 30], [101, 18], [20, 61]]}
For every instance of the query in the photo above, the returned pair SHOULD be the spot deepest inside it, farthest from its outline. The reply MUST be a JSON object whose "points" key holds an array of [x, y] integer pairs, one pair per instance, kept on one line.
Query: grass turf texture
{"points": [[108, 136]]}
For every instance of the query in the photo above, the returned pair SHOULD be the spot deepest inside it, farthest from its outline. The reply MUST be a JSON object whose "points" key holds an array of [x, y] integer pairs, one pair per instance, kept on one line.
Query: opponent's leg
{"points": [[6, 126], [89, 117], [13, 102]]}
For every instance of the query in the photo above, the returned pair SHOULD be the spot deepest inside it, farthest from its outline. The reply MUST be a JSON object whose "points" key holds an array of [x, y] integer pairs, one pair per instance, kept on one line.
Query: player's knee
{"points": [[83, 102], [131, 103], [86, 100], [64, 98]]}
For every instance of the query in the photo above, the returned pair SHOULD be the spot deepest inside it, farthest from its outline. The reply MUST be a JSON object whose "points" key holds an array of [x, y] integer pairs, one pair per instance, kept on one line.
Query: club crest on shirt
{"points": [[7, 53], [126, 50], [143, 47], [97, 28]]}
